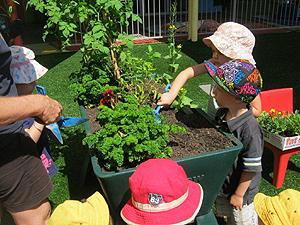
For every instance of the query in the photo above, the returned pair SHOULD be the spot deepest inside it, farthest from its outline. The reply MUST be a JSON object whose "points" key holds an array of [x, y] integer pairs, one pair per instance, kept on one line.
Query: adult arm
{"points": [[17, 108]]}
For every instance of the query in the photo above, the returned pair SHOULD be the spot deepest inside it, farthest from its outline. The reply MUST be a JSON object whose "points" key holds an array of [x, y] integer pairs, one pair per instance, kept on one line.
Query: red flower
{"points": [[108, 98], [108, 92]]}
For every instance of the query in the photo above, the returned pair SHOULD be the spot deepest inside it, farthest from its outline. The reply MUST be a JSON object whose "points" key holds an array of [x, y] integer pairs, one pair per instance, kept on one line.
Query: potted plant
{"points": [[281, 129], [122, 89], [199, 167]]}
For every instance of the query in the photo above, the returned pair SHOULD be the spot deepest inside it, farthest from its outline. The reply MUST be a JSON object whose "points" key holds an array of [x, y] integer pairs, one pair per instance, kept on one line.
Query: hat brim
{"points": [[260, 207], [210, 67], [218, 43], [96, 204], [269, 210], [27, 71], [183, 214]]}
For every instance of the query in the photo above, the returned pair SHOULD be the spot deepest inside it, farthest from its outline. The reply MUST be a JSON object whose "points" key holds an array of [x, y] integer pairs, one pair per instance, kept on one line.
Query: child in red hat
{"points": [[161, 193]]}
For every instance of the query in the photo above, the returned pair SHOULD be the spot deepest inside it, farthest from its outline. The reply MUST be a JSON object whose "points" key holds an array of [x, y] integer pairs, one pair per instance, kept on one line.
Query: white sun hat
{"points": [[23, 68], [234, 41]]}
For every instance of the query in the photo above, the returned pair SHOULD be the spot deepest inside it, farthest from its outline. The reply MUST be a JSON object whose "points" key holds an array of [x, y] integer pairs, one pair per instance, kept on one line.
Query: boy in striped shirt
{"points": [[238, 83]]}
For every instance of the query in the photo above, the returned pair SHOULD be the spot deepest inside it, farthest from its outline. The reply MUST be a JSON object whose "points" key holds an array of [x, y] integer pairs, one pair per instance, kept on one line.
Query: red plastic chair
{"points": [[281, 100]]}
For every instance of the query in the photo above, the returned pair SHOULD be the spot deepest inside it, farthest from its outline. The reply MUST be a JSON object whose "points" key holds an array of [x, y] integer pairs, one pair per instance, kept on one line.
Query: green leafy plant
{"points": [[280, 122], [139, 77], [174, 51], [174, 55], [134, 68], [145, 91], [98, 22], [130, 135], [183, 100], [110, 76], [89, 83]]}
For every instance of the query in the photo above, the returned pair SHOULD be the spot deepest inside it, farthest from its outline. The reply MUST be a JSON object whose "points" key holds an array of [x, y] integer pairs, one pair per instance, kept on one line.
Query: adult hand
{"points": [[236, 201], [51, 110], [166, 99]]}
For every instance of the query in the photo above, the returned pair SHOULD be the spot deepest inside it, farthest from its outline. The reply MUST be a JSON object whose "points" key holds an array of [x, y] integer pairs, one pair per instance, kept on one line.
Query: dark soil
{"points": [[201, 136]]}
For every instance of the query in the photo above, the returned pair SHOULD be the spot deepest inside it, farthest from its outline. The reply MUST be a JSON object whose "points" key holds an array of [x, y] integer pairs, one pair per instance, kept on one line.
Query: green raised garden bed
{"points": [[209, 169]]}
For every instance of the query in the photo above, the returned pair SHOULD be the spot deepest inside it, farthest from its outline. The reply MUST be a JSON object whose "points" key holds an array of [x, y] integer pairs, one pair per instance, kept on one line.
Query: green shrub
{"points": [[130, 135], [89, 83], [98, 22]]}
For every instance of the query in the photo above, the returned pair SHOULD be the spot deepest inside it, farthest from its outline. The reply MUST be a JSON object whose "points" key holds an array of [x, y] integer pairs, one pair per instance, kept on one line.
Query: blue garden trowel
{"points": [[63, 122], [158, 108]]}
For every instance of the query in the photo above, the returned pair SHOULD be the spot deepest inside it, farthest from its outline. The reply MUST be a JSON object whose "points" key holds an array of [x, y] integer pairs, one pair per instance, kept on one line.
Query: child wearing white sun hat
{"points": [[25, 71], [230, 41]]}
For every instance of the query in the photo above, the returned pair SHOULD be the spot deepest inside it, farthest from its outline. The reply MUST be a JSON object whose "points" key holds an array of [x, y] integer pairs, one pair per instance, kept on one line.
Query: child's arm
{"points": [[35, 131], [256, 106], [236, 200], [251, 163], [167, 98]]}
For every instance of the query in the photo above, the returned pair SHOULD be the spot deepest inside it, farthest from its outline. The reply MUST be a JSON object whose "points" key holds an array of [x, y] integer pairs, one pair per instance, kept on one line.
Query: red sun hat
{"points": [[161, 194]]}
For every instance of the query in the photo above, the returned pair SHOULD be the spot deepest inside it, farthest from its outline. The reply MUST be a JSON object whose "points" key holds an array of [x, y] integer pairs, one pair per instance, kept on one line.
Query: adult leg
{"points": [[38, 215], [1, 213], [25, 186]]}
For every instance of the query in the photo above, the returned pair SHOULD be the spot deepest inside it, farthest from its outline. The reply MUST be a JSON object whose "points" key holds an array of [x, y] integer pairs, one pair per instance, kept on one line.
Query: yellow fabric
{"points": [[92, 212], [282, 209]]}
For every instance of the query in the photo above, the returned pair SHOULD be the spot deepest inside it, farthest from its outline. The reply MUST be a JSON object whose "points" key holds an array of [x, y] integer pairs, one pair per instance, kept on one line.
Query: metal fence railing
{"points": [[255, 14]]}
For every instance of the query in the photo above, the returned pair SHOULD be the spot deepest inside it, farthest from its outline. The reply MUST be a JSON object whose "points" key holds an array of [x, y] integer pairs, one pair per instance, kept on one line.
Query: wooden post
{"points": [[195, 11], [234, 11], [189, 27]]}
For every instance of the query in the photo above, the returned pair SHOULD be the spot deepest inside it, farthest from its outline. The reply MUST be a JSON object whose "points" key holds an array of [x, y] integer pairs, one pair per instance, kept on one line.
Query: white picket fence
{"points": [[261, 15], [255, 14]]}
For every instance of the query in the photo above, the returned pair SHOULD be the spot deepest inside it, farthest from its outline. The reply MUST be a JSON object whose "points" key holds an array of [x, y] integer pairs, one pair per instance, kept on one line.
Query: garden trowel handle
{"points": [[41, 90], [168, 87], [158, 108]]}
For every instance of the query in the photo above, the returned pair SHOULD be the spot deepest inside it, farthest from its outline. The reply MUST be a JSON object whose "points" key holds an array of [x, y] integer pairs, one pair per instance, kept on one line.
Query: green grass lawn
{"points": [[276, 55]]}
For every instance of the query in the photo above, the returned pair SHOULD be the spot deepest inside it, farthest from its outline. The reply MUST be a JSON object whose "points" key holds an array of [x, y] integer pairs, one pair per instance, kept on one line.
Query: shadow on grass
{"points": [[51, 60], [196, 50], [267, 163], [81, 180]]}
